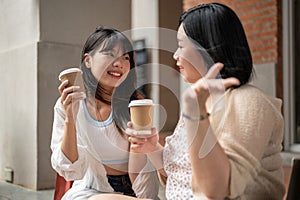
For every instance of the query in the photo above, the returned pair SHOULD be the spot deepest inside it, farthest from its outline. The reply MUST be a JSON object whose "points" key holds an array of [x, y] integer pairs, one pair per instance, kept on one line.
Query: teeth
{"points": [[114, 73]]}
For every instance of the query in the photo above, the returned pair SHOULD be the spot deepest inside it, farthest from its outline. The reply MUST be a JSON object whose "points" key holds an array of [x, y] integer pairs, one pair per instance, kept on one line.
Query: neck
{"points": [[104, 94], [97, 103], [98, 110]]}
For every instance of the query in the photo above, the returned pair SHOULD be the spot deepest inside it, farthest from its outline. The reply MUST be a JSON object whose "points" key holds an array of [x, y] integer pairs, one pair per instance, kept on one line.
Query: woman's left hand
{"points": [[142, 143], [197, 95]]}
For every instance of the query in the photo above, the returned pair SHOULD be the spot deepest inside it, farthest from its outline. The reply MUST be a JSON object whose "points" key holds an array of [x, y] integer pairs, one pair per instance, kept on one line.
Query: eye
{"points": [[108, 53], [126, 57]]}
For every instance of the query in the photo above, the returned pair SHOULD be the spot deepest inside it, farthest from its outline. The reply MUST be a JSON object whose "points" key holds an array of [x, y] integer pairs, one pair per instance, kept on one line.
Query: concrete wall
{"points": [[265, 78], [18, 103], [156, 22], [37, 40]]}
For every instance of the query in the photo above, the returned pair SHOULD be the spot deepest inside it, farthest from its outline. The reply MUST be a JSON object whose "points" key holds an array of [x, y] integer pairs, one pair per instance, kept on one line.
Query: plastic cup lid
{"points": [[67, 71], [141, 102]]}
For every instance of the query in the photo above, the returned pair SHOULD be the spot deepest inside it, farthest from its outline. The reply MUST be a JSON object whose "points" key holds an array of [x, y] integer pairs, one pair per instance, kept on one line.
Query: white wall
{"points": [[18, 102]]}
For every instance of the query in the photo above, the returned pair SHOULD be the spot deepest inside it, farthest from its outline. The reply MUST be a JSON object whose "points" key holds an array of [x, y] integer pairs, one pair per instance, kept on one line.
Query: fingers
{"points": [[131, 132], [73, 97], [214, 71], [205, 82], [70, 93], [129, 124], [62, 86], [229, 82], [211, 83], [216, 85], [137, 144], [137, 140], [153, 131]]}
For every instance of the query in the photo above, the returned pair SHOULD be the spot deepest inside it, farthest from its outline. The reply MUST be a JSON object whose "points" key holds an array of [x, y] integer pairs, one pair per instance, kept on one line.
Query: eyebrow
{"points": [[107, 49]]}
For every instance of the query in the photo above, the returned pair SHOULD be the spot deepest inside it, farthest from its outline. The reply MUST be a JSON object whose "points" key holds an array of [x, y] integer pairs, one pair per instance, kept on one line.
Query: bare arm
{"points": [[69, 142], [211, 172], [142, 148], [70, 99]]}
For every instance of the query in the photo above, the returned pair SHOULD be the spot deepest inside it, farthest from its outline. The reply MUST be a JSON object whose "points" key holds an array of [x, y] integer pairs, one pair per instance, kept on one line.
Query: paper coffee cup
{"points": [[141, 113], [74, 77]]}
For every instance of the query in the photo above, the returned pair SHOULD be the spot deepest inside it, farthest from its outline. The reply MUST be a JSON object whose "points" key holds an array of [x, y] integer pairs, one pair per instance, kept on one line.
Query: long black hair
{"points": [[220, 34], [106, 37]]}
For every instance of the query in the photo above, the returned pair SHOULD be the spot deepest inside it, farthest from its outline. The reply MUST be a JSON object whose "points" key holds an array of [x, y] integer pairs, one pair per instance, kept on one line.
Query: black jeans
{"points": [[122, 184]]}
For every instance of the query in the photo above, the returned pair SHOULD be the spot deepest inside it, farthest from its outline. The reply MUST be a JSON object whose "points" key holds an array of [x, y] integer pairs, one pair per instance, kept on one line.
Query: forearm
{"points": [[138, 162], [156, 158], [210, 170], [69, 142]]}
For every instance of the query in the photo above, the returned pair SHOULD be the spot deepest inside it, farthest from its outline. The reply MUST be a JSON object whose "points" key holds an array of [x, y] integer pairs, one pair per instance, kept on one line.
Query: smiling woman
{"points": [[88, 142], [109, 65]]}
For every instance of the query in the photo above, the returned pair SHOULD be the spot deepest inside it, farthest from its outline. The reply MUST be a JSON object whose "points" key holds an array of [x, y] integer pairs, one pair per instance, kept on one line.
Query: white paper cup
{"points": [[141, 113], [74, 77]]}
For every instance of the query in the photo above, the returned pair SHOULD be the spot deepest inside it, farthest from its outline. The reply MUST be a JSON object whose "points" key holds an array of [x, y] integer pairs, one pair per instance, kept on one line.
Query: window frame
{"points": [[288, 43]]}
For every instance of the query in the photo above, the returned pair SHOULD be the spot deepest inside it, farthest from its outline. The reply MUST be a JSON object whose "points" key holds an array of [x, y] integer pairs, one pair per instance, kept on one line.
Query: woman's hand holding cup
{"points": [[72, 91], [141, 143]]}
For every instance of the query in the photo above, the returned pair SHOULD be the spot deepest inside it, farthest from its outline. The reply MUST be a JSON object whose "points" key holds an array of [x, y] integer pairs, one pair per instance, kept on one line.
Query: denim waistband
{"points": [[121, 183]]}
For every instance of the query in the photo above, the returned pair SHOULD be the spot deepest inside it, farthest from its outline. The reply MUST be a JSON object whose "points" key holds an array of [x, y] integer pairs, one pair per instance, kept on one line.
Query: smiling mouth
{"points": [[180, 67], [115, 74]]}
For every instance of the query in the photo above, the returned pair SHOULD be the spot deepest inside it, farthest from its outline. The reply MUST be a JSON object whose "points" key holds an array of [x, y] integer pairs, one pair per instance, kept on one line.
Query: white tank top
{"points": [[101, 139]]}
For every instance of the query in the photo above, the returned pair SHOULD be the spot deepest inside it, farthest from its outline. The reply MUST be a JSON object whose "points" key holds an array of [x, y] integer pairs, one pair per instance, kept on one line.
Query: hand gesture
{"points": [[70, 98], [199, 92]]}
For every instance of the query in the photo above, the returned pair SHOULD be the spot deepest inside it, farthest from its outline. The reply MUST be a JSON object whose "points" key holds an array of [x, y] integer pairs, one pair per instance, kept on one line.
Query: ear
{"points": [[87, 60]]}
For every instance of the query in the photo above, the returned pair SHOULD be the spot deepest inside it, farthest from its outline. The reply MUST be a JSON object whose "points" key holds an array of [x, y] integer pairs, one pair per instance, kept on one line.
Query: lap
{"points": [[80, 193]]}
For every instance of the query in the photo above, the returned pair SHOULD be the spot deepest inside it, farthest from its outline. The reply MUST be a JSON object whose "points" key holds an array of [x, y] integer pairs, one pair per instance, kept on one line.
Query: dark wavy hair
{"points": [[106, 37], [219, 35]]}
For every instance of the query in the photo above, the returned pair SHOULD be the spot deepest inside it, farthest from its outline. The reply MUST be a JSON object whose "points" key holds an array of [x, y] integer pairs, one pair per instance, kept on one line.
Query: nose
{"points": [[118, 62], [175, 55]]}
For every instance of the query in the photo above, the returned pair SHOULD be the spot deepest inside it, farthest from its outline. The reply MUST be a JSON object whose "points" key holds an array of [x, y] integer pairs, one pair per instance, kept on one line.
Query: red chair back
{"points": [[61, 187]]}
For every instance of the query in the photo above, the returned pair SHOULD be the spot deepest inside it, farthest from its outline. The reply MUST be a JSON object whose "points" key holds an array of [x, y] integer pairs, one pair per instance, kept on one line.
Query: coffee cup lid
{"points": [[67, 71], [141, 102]]}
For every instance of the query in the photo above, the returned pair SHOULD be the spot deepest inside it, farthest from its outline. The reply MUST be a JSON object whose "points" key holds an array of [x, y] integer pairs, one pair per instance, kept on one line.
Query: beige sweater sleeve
{"points": [[244, 135]]}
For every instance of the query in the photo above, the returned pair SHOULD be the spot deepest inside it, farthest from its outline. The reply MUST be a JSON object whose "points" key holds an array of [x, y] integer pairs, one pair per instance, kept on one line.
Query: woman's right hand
{"points": [[70, 98], [142, 143]]}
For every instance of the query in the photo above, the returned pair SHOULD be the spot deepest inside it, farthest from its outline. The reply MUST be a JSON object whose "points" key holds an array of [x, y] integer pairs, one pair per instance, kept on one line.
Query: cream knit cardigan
{"points": [[250, 130]]}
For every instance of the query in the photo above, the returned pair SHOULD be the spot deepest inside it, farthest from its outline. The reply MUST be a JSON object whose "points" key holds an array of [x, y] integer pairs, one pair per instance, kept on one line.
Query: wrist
{"points": [[194, 112], [158, 147], [155, 150], [199, 117], [69, 122]]}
